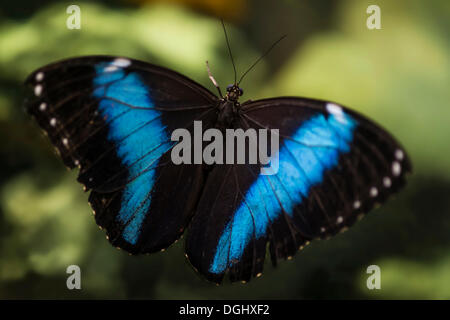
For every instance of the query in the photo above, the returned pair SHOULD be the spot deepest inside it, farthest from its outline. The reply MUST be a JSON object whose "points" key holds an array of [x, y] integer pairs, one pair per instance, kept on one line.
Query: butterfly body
{"points": [[228, 107], [113, 118]]}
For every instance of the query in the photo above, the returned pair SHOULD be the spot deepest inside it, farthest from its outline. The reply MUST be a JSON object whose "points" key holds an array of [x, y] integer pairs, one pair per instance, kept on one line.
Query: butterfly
{"points": [[113, 117]]}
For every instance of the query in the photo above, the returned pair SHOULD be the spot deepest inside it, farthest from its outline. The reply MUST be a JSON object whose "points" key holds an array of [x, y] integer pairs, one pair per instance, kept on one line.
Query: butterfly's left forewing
{"points": [[113, 118], [334, 165]]}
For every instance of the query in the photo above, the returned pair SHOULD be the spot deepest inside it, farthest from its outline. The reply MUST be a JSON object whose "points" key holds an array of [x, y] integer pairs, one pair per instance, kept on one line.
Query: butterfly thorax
{"points": [[228, 107]]}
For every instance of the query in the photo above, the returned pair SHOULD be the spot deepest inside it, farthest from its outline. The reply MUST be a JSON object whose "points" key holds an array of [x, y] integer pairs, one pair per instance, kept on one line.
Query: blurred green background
{"points": [[398, 75]]}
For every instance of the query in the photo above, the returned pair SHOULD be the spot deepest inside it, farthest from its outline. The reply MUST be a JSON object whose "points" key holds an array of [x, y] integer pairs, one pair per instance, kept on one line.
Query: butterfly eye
{"points": [[241, 92], [230, 87]]}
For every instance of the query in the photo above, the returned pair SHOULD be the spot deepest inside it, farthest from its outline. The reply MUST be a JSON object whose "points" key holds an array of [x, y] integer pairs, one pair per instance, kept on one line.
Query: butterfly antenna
{"points": [[229, 50], [260, 58]]}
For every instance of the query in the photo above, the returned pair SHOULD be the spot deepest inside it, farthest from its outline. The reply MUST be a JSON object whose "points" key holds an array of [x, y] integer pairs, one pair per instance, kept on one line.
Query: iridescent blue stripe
{"points": [[139, 151], [301, 166]]}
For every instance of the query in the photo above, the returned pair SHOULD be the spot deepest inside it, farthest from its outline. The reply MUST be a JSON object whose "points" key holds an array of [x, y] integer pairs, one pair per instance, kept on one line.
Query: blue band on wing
{"points": [[314, 148], [139, 136]]}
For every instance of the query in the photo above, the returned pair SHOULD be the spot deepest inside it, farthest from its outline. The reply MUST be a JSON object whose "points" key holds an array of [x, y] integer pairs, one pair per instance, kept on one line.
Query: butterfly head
{"points": [[234, 92]]}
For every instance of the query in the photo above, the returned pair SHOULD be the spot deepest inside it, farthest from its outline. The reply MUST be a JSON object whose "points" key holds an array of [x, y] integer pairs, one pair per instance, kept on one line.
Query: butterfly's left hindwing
{"points": [[113, 118], [334, 166]]}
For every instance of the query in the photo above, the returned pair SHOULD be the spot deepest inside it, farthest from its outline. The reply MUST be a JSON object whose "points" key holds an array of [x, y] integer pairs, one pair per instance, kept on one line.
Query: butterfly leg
{"points": [[213, 80]]}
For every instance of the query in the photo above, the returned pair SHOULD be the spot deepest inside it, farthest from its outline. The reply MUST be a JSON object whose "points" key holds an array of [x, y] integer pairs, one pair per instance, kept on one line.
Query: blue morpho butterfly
{"points": [[112, 117]]}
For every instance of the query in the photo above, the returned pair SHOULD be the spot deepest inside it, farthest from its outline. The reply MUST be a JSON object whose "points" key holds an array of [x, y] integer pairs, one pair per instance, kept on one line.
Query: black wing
{"points": [[334, 166], [113, 118]]}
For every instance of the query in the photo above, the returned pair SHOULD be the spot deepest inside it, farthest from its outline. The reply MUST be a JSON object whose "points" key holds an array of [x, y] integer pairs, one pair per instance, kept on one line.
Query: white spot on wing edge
{"points": [[336, 111], [39, 76], [373, 192], [53, 122], [357, 204], [399, 155], [43, 106], [396, 168], [111, 68], [38, 90], [121, 62], [387, 182], [334, 108], [340, 220]]}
